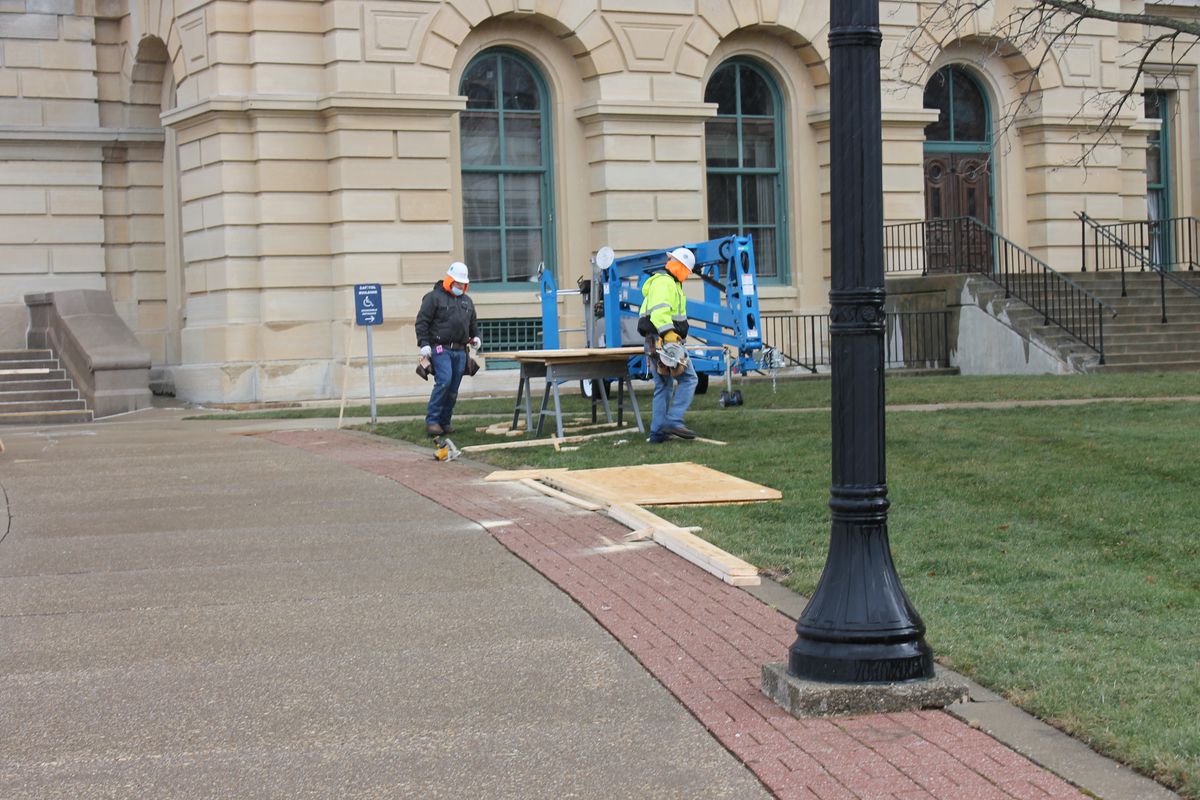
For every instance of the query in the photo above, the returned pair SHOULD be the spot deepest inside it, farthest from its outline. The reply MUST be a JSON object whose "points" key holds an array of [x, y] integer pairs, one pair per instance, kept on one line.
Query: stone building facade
{"points": [[229, 169]]}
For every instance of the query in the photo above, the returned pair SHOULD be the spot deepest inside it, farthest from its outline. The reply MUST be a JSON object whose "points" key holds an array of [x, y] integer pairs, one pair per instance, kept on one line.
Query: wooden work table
{"points": [[557, 366]]}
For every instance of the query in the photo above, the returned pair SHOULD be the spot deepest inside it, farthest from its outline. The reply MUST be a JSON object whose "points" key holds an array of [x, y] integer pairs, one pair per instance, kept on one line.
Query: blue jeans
{"points": [[448, 369], [671, 416]]}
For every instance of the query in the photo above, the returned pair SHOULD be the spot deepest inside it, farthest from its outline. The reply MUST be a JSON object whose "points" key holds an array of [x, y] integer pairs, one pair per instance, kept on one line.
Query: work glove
{"points": [[475, 343], [426, 351], [670, 336]]}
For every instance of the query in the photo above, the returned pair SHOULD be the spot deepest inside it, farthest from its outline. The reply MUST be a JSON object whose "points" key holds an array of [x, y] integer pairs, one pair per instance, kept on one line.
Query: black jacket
{"points": [[445, 319]]}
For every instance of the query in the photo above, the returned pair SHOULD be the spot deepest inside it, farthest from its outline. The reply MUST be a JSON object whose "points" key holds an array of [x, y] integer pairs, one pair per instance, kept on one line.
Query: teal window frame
{"points": [[545, 172], [778, 173], [1163, 244], [954, 145]]}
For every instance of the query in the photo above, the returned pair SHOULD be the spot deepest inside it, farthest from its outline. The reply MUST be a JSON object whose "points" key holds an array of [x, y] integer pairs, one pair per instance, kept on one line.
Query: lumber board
{"points": [[685, 544], [553, 440], [519, 474], [680, 483], [557, 495]]}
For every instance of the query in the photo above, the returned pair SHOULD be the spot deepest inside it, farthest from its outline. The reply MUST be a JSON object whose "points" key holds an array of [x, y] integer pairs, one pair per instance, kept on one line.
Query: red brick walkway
{"points": [[706, 641]]}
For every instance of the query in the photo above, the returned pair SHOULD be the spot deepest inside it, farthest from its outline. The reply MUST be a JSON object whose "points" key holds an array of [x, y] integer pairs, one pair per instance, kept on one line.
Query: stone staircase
{"points": [[35, 390], [1136, 340]]}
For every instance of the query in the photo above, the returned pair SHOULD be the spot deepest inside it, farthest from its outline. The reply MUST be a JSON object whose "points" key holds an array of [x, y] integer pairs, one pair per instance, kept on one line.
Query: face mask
{"points": [[456, 291]]}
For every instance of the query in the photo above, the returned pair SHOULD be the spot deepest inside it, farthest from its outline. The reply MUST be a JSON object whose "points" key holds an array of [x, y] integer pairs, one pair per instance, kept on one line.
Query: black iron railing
{"points": [[1163, 246], [966, 245], [912, 339]]}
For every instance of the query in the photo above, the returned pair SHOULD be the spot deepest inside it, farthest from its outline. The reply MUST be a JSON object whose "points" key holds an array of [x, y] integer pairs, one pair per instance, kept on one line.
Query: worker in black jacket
{"points": [[446, 327]]}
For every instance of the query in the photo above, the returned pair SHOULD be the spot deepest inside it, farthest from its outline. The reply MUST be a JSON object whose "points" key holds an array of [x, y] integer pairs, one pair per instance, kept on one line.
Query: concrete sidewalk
{"points": [[188, 612]]}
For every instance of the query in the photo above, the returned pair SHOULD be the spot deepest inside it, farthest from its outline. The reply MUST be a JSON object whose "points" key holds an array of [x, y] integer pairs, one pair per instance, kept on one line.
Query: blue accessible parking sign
{"points": [[368, 304]]}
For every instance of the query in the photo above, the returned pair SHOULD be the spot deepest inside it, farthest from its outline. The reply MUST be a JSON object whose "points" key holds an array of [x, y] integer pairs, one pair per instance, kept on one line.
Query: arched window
{"points": [[963, 116], [958, 148], [506, 175], [744, 152]]}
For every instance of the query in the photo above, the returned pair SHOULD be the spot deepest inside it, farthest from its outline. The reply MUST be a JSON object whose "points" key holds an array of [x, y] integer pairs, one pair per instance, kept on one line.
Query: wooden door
{"points": [[957, 185]]}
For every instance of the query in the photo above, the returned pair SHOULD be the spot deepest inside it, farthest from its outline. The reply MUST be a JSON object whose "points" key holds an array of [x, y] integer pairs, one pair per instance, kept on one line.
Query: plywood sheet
{"points": [[680, 483]]}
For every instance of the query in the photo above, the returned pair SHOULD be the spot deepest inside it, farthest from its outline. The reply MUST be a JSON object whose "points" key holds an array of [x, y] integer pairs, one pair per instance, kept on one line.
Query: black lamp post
{"points": [[859, 625]]}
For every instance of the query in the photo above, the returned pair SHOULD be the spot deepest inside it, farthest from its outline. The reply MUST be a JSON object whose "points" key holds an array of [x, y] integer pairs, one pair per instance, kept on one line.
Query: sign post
{"points": [[368, 312]]}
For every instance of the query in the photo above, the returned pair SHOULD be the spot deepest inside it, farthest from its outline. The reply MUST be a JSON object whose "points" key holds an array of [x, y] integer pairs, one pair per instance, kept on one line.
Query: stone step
{"points": [[17, 407], [1145, 340], [38, 395], [34, 385], [1150, 356], [25, 355], [1162, 366], [26, 366], [44, 417], [34, 375]]}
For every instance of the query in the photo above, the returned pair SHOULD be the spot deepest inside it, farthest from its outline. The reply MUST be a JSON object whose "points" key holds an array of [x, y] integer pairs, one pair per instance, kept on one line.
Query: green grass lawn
{"points": [[1054, 552]]}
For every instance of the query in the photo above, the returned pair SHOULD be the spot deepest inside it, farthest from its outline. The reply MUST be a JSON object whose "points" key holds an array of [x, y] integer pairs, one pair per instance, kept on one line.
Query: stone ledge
{"points": [[804, 699]]}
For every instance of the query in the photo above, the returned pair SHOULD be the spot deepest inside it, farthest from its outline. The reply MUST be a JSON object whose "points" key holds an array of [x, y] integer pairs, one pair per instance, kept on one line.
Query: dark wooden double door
{"points": [[957, 186]]}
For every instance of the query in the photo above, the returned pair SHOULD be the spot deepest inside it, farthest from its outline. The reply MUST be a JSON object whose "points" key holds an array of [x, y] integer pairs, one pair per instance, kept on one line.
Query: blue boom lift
{"points": [[724, 334]]}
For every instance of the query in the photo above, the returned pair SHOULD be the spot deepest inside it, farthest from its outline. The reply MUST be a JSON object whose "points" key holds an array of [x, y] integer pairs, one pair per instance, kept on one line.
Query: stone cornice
{"points": [[602, 111], [49, 135], [307, 105], [1048, 122], [911, 117]]}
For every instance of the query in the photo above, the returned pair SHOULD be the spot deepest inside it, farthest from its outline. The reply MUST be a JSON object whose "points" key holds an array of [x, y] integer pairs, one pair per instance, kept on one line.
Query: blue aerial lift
{"points": [[724, 335]]}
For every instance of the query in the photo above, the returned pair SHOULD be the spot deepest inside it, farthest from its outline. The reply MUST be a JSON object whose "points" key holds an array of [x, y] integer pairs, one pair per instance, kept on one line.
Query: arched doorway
{"points": [[958, 168]]}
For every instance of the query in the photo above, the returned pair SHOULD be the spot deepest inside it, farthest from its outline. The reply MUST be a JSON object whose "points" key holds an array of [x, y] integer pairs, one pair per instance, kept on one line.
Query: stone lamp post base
{"points": [[804, 698]]}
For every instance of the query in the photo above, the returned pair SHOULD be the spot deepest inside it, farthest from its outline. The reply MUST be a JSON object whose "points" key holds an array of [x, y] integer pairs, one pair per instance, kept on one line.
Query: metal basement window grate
{"points": [[513, 333]]}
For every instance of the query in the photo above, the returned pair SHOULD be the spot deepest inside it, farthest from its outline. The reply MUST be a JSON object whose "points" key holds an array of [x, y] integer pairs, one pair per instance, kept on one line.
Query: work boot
{"points": [[657, 438], [681, 432], [433, 429], [447, 429]]}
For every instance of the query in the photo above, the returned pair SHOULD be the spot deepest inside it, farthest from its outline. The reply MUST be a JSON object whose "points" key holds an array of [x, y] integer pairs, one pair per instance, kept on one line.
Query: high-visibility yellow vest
{"points": [[664, 301]]}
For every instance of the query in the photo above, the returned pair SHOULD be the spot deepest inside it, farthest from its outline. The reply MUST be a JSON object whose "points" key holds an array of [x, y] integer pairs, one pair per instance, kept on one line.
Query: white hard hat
{"points": [[458, 271], [684, 256]]}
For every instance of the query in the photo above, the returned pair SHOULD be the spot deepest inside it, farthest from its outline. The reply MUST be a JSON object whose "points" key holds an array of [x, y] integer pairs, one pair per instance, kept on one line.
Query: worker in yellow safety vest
{"points": [[664, 324]]}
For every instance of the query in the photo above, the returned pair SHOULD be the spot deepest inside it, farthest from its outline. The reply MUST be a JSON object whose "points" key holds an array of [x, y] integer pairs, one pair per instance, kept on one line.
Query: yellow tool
{"points": [[444, 450]]}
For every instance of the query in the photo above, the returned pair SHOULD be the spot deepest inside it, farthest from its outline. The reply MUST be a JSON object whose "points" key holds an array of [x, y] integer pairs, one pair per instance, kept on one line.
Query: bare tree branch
{"points": [[1038, 30]]}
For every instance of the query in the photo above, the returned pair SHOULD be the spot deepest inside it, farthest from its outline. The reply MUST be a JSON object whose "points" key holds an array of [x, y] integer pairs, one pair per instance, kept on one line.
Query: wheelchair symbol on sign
{"points": [[366, 301]]}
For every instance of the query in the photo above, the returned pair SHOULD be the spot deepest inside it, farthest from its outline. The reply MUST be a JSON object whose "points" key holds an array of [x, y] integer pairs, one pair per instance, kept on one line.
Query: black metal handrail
{"points": [[1156, 246], [912, 339], [966, 245]]}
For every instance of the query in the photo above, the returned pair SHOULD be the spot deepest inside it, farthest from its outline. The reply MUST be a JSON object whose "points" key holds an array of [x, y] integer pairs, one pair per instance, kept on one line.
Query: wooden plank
{"points": [[678, 483], [710, 441], [520, 474], [683, 543], [557, 495], [553, 440]]}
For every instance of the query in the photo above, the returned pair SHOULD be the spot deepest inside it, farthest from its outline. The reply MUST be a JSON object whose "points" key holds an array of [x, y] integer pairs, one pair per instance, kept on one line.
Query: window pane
{"points": [[522, 200], [756, 95], [1153, 162], [524, 254], [720, 142], [480, 138], [764, 252], [758, 200], [522, 139], [722, 200], [1154, 105], [482, 254], [937, 95], [719, 232], [758, 143], [520, 89], [970, 110], [479, 84], [481, 199], [721, 90]]}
